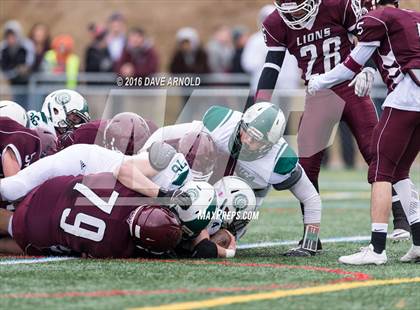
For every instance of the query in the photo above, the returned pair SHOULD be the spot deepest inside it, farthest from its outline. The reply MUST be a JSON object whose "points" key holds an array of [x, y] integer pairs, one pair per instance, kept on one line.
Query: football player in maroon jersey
{"points": [[319, 34], [94, 216], [20, 146], [391, 35]]}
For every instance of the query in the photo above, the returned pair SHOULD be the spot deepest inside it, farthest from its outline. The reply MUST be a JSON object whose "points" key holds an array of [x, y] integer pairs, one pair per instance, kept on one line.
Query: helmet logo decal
{"points": [[240, 201], [62, 98], [193, 192]]}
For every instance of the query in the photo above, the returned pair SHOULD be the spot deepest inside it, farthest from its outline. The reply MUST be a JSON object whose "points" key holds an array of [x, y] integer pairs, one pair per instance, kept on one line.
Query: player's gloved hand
{"points": [[314, 84], [236, 226], [363, 82], [177, 197], [299, 252]]}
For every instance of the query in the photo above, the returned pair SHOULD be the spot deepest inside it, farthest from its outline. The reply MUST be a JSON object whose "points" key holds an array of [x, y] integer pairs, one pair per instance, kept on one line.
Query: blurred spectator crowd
{"points": [[115, 47]]}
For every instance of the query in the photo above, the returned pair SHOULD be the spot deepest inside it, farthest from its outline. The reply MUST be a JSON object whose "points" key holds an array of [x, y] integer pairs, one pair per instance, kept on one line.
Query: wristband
{"points": [[230, 253]]}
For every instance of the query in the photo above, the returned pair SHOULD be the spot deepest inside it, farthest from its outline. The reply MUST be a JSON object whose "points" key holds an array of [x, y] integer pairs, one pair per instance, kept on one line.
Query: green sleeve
{"points": [[286, 162]]}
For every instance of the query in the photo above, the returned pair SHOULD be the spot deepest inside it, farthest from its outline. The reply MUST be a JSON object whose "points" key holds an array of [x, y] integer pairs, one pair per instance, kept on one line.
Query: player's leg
{"points": [[409, 194], [397, 126], [361, 117], [404, 191]]}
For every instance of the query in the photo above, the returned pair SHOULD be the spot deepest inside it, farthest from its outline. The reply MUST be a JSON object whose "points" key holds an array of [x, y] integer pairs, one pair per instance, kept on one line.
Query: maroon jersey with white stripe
{"points": [[83, 214], [325, 45], [396, 33], [24, 142]]}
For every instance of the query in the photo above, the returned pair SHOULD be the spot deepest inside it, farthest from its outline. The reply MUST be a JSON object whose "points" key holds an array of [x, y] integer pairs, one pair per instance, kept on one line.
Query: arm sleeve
{"points": [[306, 193], [274, 41], [269, 75], [346, 71]]}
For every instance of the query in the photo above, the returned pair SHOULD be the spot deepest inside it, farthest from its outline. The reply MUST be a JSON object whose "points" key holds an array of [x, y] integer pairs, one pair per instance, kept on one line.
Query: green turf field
{"points": [[257, 278]]}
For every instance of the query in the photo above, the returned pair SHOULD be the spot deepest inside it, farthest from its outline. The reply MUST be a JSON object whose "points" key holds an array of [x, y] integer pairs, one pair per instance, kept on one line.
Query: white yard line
{"points": [[35, 260], [295, 242], [240, 246]]}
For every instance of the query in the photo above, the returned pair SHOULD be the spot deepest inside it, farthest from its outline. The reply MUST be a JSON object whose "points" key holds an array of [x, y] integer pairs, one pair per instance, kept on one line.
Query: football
{"points": [[222, 238]]}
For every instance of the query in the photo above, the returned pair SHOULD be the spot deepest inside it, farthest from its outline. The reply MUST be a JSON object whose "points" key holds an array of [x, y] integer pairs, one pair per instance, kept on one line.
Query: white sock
{"points": [[380, 227]]}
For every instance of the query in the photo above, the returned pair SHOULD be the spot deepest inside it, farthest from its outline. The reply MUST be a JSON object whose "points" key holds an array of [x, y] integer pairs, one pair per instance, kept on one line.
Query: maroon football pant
{"points": [[322, 113], [395, 145]]}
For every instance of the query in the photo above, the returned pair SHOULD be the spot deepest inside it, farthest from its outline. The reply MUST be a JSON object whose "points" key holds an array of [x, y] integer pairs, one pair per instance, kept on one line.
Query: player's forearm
{"points": [[269, 75], [306, 193], [132, 177], [346, 70]]}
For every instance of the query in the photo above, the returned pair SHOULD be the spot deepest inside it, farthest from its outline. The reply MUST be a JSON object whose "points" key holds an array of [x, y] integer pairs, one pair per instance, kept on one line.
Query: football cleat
{"points": [[366, 256], [299, 252], [399, 235], [413, 255]]}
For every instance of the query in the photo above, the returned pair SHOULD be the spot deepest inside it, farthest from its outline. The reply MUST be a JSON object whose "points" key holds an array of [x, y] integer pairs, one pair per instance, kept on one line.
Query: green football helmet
{"points": [[265, 123], [198, 215], [66, 109]]}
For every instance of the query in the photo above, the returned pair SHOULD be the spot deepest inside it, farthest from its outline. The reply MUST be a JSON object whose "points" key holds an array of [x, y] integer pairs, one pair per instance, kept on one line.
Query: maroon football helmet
{"points": [[155, 229], [200, 152], [126, 132], [48, 143]]}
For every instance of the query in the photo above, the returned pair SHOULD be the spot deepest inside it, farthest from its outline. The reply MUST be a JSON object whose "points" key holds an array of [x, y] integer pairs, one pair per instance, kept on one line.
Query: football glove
{"points": [[299, 252], [314, 84], [176, 197], [363, 82], [236, 226]]}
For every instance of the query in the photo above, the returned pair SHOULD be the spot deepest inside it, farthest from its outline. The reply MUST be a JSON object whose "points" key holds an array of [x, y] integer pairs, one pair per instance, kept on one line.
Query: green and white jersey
{"points": [[273, 168], [39, 119], [175, 175]]}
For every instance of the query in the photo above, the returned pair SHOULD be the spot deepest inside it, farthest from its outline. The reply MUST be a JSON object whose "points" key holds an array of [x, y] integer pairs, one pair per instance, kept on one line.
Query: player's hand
{"points": [[313, 84], [237, 226], [363, 82], [176, 197]]}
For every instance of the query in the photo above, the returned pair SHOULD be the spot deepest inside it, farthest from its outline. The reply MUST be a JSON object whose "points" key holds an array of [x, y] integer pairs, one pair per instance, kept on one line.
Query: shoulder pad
{"points": [[160, 155], [286, 162], [215, 116]]}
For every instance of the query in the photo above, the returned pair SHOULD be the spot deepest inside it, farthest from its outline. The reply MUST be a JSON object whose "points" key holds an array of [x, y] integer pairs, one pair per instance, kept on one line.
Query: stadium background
{"points": [[160, 18]]}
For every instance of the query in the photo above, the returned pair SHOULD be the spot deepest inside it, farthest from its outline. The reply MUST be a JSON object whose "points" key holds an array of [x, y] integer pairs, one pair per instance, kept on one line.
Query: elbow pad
{"points": [[292, 180], [205, 249]]}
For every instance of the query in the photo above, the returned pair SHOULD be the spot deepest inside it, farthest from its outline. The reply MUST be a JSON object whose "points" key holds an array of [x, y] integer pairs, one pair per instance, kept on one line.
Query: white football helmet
{"points": [[67, 109], [234, 195], [13, 111], [198, 215], [265, 123], [297, 14]]}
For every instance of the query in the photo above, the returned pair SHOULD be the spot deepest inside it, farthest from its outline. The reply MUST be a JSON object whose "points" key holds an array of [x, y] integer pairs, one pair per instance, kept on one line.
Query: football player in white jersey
{"points": [[158, 172], [255, 152]]}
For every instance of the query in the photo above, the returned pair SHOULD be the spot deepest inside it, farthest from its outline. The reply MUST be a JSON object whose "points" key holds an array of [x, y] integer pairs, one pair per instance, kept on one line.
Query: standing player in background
{"points": [[319, 34], [392, 37]]}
